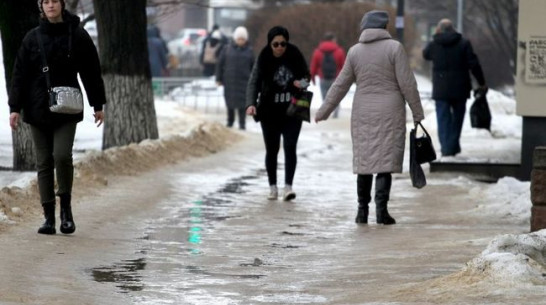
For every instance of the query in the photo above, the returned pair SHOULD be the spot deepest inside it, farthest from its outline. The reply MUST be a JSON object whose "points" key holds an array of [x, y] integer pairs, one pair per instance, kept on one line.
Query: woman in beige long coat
{"points": [[384, 81]]}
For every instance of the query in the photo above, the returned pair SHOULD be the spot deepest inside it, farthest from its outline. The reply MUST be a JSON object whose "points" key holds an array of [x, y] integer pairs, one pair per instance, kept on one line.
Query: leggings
{"points": [[290, 129], [54, 154]]}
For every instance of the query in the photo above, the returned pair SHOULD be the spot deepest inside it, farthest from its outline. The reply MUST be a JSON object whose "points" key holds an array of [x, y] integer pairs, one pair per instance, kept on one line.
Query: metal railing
{"points": [[201, 91]]}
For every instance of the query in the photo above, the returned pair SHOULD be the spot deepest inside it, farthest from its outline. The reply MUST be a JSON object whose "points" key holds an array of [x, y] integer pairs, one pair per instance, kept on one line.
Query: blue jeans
{"points": [[450, 117]]}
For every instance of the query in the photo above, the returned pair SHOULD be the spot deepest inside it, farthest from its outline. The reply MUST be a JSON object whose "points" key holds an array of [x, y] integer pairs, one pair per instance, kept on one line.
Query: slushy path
{"points": [[202, 232]]}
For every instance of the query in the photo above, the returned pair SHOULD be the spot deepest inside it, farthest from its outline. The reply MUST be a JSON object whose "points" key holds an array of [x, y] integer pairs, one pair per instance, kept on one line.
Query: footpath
{"points": [[199, 230]]}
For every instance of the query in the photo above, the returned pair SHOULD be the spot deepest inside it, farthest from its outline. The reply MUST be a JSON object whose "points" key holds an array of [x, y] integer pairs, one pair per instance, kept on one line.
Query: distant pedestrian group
{"points": [[262, 87]]}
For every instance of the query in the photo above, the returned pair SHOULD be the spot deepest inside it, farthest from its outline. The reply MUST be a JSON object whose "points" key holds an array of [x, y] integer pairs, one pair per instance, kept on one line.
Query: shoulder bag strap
{"points": [[45, 67]]}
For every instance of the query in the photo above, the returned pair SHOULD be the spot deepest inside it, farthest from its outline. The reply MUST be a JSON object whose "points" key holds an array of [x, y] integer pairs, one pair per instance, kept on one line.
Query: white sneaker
{"points": [[273, 193], [288, 193]]}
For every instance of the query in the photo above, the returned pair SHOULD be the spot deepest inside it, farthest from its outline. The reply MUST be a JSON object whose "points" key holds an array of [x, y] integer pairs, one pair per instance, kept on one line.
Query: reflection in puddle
{"points": [[217, 275], [124, 274], [172, 241], [275, 245], [294, 298], [196, 219]]}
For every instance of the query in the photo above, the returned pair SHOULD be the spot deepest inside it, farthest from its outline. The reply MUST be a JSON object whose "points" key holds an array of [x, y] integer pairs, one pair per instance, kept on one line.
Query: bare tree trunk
{"points": [[24, 156], [72, 5], [130, 113], [13, 28]]}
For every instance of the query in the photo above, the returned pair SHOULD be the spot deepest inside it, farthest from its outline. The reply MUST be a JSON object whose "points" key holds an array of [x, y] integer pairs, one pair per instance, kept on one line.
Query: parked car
{"points": [[187, 46]]}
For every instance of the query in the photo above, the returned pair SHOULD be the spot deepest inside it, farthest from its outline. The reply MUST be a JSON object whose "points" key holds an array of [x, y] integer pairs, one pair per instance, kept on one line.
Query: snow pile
{"points": [[511, 265], [509, 199], [504, 122], [512, 260], [92, 171]]}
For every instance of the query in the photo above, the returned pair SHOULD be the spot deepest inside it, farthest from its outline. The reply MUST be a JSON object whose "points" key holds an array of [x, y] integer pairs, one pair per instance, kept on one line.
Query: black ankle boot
{"points": [[384, 217], [362, 214], [49, 213], [67, 223]]}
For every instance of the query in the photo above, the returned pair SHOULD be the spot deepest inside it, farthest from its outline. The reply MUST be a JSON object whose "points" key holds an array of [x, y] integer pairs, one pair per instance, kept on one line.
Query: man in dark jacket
{"points": [[452, 57], [157, 52]]}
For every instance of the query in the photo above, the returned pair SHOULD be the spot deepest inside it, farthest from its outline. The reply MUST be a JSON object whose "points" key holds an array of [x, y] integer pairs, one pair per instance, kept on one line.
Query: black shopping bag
{"points": [[300, 105], [480, 116]]}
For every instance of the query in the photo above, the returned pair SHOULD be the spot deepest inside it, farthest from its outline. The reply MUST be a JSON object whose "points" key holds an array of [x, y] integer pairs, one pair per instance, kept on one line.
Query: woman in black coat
{"points": [[279, 73], [233, 71], [69, 50]]}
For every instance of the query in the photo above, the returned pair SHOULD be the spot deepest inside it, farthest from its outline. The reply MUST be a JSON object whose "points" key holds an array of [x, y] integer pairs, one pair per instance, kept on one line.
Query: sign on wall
{"points": [[531, 60]]}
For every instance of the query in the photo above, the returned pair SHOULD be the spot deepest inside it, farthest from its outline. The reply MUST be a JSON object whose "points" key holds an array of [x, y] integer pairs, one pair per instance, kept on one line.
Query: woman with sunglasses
{"points": [[279, 72]]}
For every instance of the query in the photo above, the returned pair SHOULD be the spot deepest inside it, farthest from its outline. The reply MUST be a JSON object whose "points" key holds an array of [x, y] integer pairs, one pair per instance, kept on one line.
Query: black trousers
{"points": [[241, 113], [272, 130]]}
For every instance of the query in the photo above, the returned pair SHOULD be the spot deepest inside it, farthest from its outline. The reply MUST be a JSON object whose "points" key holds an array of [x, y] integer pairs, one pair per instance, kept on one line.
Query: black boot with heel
{"points": [[383, 183], [363, 189], [48, 227], [67, 222]]}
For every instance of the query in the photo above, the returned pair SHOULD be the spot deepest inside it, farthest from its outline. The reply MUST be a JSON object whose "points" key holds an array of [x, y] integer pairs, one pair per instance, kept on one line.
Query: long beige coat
{"points": [[384, 81]]}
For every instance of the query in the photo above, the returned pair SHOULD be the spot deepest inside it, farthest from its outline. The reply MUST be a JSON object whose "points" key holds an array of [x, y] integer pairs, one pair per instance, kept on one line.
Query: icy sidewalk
{"points": [[202, 232]]}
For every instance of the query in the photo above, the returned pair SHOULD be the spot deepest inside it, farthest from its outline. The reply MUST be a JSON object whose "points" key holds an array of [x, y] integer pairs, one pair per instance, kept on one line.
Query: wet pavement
{"points": [[217, 240], [203, 232]]}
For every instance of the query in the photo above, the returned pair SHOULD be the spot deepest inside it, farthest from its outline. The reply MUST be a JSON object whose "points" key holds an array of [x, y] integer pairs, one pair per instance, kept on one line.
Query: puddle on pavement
{"points": [[171, 241], [125, 274]]}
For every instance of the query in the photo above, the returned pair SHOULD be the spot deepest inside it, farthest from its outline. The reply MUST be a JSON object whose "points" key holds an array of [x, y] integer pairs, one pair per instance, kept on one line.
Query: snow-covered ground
{"points": [[509, 259]]}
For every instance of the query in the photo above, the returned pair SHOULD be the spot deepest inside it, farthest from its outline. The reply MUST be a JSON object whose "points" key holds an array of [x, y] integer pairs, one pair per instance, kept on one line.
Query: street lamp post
{"points": [[460, 8], [400, 21]]}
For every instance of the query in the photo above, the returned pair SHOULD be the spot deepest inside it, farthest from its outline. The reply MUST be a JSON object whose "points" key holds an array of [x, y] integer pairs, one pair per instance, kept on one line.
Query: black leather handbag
{"points": [[421, 147]]}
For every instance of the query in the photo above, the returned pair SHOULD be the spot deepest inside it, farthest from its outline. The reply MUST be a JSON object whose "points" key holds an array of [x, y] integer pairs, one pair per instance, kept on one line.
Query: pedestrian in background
{"points": [[157, 53], [210, 51], [69, 50], [384, 81], [233, 71], [326, 63], [452, 58], [279, 72]]}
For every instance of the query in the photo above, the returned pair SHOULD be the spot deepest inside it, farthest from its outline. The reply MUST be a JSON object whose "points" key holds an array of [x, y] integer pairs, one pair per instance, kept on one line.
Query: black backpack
{"points": [[329, 66]]}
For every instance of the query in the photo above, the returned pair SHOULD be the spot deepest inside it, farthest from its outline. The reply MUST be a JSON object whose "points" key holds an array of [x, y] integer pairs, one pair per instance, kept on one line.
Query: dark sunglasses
{"points": [[277, 44]]}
